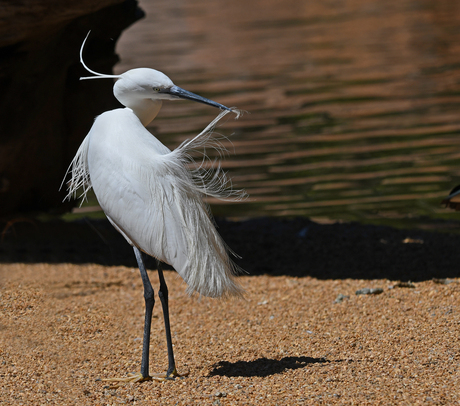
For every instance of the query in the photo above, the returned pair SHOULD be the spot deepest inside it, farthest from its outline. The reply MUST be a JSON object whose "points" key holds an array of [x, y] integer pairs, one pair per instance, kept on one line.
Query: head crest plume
{"points": [[98, 75]]}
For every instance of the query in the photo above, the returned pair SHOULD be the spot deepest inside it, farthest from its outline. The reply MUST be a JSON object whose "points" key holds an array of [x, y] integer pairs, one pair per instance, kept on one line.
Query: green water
{"points": [[353, 105]]}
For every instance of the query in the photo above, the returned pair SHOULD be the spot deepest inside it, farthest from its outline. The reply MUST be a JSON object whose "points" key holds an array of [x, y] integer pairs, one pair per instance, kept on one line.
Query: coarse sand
{"points": [[291, 341]]}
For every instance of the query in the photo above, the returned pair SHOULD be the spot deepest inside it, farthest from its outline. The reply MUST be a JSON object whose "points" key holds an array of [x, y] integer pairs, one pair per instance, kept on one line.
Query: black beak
{"points": [[185, 94]]}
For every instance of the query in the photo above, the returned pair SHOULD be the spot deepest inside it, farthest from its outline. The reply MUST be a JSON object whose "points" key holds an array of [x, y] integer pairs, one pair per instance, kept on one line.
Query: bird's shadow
{"points": [[262, 366]]}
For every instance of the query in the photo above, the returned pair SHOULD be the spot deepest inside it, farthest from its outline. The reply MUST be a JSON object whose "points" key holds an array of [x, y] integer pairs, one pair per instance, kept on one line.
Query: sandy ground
{"points": [[294, 340]]}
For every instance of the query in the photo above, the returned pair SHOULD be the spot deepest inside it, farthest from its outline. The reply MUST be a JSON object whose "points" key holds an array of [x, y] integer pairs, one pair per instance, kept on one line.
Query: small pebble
{"points": [[408, 284], [369, 291], [409, 240], [303, 233], [442, 281], [340, 298]]}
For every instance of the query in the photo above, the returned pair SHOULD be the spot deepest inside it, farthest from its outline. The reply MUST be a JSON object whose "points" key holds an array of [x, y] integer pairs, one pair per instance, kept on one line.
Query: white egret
{"points": [[151, 197]]}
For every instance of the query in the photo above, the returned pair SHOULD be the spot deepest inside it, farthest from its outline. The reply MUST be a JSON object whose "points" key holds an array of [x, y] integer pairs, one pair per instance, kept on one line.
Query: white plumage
{"points": [[154, 200], [152, 196]]}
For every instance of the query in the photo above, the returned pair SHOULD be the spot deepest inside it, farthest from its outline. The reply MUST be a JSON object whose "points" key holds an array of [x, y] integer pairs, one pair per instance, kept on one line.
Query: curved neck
{"points": [[145, 109]]}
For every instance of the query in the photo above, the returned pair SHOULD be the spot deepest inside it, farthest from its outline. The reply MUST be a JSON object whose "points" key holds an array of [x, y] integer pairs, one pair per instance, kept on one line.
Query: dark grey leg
{"points": [[149, 303], [163, 295]]}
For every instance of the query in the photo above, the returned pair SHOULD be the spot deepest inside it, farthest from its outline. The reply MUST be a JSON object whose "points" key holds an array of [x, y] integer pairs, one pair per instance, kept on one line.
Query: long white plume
{"points": [[98, 75]]}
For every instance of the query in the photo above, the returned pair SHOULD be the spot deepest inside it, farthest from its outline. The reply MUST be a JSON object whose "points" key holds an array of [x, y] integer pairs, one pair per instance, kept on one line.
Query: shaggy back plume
{"points": [[206, 266]]}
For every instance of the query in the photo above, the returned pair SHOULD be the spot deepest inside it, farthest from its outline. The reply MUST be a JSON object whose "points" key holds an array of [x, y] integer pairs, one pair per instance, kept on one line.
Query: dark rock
{"points": [[46, 110]]}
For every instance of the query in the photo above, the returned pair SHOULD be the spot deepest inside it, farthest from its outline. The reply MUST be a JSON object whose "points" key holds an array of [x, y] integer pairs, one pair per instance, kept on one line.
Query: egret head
{"points": [[140, 84], [144, 89]]}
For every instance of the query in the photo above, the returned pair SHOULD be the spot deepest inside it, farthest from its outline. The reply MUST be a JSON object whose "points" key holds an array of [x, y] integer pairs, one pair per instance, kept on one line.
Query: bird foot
{"points": [[169, 376], [138, 377], [132, 377], [173, 375]]}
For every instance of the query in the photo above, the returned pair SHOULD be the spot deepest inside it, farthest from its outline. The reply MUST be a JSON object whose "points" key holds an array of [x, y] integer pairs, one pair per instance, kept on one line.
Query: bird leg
{"points": [[171, 373], [149, 303], [163, 295]]}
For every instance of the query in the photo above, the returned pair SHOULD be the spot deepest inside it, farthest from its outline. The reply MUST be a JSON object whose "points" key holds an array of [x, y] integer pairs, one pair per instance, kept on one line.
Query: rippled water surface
{"points": [[353, 105]]}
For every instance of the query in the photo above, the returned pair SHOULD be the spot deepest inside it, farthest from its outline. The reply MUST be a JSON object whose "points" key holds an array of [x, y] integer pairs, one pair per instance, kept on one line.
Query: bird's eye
{"points": [[156, 89]]}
